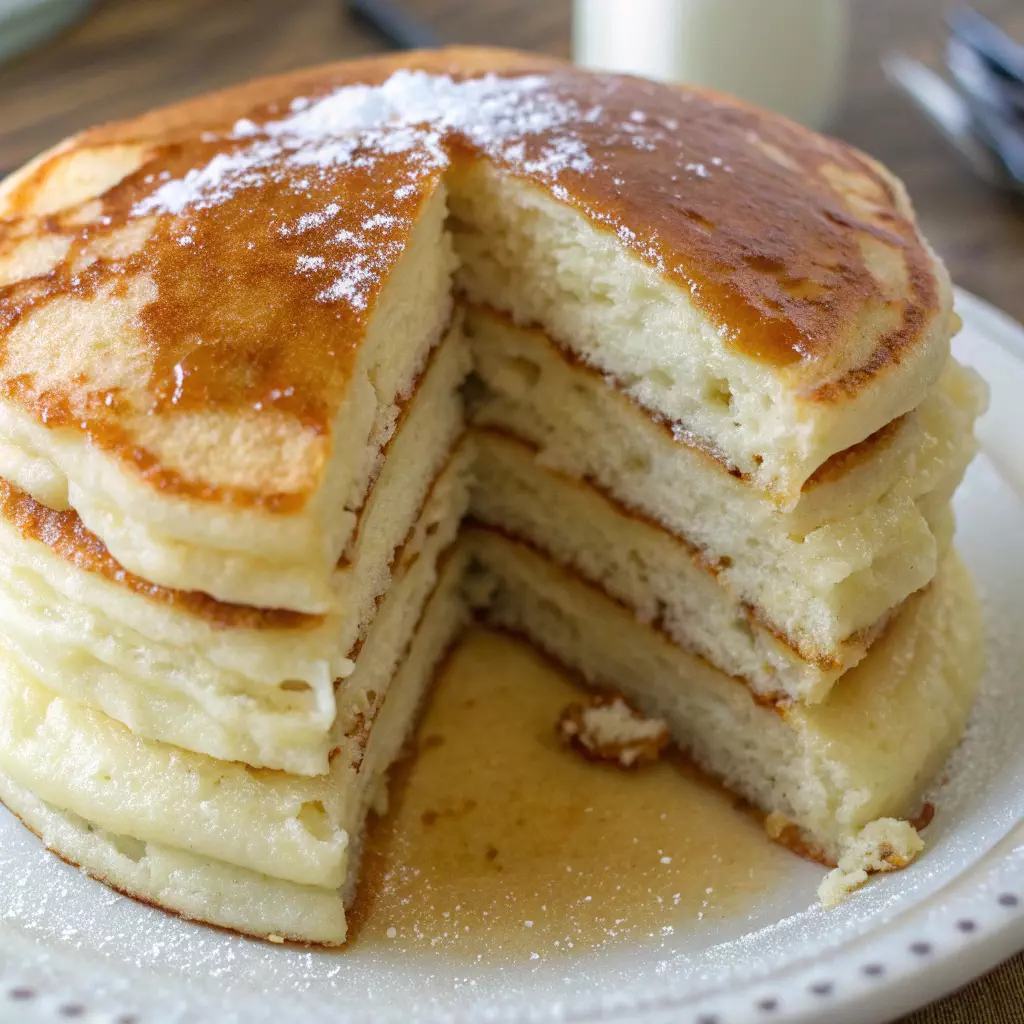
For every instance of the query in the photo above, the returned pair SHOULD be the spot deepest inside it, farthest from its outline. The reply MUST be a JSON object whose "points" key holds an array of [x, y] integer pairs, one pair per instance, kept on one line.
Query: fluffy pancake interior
{"points": [[863, 753], [660, 577], [423, 441], [817, 580], [544, 262]]}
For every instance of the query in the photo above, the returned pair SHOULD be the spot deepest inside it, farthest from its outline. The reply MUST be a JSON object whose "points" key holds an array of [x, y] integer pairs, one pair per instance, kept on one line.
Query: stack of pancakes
{"points": [[715, 429]]}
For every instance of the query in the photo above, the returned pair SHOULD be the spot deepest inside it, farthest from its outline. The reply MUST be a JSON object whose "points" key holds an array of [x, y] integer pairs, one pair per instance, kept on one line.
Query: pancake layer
{"points": [[202, 675], [866, 752], [531, 254], [265, 849], [196, 888], [865, 535]]}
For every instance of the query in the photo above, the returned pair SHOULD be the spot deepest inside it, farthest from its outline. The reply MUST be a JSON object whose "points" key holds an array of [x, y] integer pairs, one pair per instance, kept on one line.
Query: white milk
{"points": [[787, 55]]}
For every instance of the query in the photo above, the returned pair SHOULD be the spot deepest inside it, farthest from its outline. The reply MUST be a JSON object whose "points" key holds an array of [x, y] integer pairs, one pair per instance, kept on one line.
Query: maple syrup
{"points": [[501, 842]]}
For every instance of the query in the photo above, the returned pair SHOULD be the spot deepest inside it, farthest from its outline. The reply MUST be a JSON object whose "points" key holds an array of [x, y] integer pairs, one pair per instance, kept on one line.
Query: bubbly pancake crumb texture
{"points": [[608, 729], [296, 377]]}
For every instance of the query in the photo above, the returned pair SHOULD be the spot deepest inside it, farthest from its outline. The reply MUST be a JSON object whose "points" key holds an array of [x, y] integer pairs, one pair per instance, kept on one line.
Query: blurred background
{"points": [[81, 62]]}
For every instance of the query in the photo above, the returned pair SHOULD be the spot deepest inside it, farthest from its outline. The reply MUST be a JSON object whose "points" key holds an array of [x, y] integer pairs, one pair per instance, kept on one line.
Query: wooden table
{"points": [[131, 55]]}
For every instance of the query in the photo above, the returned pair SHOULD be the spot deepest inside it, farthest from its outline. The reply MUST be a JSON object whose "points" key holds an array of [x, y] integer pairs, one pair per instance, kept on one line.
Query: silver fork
{"points": [[952, 114]]}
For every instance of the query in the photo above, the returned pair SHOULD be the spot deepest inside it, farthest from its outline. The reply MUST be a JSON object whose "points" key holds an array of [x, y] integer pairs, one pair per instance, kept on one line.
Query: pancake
{"points": [[227, 680], [716, 430], [864, 536], [773, 351], [264, 846], [234, 485], [866, 752], [195, 888]]}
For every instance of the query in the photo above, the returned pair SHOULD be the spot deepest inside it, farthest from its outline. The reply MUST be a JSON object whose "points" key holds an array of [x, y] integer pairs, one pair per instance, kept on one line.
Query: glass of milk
{"points": [[26, 23], [786, 55]]}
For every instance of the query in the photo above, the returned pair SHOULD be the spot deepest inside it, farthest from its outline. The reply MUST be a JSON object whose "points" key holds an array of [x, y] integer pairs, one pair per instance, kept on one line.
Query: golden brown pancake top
{"points": [[238, 264]]}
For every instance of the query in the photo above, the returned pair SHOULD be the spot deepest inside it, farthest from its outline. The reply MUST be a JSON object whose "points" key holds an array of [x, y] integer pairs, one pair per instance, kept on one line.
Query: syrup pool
{"points": [[502, 843]]}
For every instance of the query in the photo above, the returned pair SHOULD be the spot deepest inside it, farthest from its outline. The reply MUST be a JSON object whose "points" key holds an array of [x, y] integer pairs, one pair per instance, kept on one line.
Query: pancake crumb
{"points": [[608, 729], [887, 844]]}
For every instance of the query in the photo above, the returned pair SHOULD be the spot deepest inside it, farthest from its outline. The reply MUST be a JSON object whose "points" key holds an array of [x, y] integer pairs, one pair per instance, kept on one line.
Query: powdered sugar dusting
{"points": [[316, 219], [413, 114], [529, 124], [349, 285], [211, 184], [306, 264]]}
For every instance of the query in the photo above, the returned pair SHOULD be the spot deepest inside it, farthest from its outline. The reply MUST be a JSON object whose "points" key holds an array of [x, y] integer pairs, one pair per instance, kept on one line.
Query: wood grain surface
{"points": [[130, 55]]}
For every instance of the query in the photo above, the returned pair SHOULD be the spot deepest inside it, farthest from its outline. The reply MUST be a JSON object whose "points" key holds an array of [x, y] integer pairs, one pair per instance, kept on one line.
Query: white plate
{"points": [[70, 948]]}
